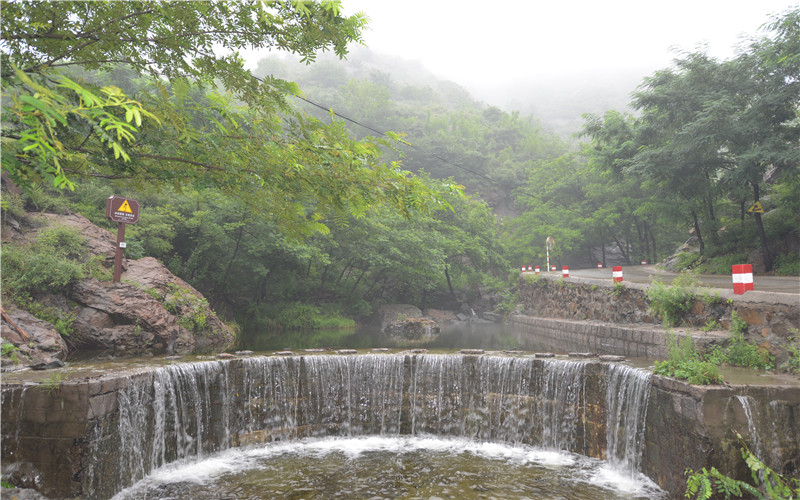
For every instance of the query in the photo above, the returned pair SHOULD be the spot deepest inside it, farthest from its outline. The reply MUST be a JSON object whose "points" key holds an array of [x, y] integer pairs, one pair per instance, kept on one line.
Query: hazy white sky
{"points": [[492, 42]]}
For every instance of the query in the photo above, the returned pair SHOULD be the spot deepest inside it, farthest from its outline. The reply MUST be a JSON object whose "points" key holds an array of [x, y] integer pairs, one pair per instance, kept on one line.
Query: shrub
{"points": [[738, 326], [741, 352], [618, 289], [294, 316], [52, 262], [670, 303], [688, 260], [787, 265], [793, 363], [721, 264], [191, 310], [685, 363]]}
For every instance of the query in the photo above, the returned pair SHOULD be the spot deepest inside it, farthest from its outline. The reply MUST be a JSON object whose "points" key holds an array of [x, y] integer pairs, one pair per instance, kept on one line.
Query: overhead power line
{"points": [[385, 134]]}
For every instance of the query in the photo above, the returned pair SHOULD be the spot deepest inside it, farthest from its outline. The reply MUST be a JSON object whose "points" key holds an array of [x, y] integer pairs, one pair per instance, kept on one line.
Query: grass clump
{"points": [[793, 363], [684, 362]]}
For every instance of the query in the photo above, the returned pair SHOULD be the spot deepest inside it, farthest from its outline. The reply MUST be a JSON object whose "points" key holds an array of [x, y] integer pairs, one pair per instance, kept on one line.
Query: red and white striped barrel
{"points": [[565, 271], [553, 268], [644, 262], [530, 268], [536, 268], [742, 278], [524, 269], [616, 272], [599, 265]]}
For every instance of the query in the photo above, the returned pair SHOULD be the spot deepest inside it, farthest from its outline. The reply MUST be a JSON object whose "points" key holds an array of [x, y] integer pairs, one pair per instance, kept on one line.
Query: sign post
{"points": [[122, 211], [549, 243]]}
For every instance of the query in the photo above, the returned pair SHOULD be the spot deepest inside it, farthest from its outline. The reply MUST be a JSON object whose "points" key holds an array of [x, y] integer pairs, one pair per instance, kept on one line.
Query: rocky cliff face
{"points": [[149, 310]]}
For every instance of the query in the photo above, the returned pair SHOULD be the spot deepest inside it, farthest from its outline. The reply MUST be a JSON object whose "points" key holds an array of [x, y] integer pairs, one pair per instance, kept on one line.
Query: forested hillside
{"points": [[285, 212]]}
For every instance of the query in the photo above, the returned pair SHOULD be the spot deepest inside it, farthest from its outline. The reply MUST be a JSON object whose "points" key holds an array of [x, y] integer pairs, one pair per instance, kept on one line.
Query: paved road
{"points": [[645, 274]]}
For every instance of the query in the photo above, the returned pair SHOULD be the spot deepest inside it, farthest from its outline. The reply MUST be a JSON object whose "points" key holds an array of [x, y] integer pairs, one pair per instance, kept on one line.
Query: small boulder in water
{"points": [[472, 351], [284, 353], [544, 355], [347, 351], [412, 330], [48, 364], [224, 355], [244, 353], [609, 357], [381, 349], [581, 355]]}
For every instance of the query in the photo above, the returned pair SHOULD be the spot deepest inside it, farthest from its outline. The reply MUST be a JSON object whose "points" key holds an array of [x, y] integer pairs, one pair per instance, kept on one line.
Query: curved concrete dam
{"points": [[95, 434]]}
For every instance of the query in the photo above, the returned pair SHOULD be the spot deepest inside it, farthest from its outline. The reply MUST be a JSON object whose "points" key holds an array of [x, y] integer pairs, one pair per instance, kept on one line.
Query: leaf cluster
{"points": [[686, 363], [670, 303], [766, 483], [51, 262]]}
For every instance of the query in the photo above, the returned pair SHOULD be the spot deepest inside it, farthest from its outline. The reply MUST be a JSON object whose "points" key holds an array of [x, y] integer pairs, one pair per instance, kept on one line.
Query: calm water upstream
{"points": [[456, 336], [392, 467]]}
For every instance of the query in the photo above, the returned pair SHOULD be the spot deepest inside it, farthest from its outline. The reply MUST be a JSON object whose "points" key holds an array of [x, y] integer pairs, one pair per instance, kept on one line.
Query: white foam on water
{"points": [[614, 478], [240, 459], [197, 472]]}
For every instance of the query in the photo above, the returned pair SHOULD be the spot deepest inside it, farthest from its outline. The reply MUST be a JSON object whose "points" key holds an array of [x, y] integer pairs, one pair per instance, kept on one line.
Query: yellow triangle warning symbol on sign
{"points": [[125, 207], [756, 208]]}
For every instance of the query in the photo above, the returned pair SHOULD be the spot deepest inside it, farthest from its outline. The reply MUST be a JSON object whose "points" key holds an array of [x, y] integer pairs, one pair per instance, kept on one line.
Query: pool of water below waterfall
{"points": [[380, 467]]}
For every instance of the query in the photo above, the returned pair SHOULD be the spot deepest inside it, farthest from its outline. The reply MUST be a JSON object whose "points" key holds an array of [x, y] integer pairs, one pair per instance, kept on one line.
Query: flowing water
{"points": [[392, 467], [377, 426]]}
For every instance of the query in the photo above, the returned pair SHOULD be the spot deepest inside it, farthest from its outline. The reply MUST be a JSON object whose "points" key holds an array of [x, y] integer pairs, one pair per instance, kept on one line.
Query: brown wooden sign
{"points": [[122, 210]]}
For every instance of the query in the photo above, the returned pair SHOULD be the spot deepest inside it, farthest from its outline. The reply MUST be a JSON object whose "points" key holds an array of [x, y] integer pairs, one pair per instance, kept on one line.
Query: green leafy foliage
{"points": [[11, 352], [192, 310], [737, 326], [793, 348], [55, 259], [787, 265], [741, 352], [685, 362], [670, 303], [295, 316], [242, 139], [705, 135], [766, 483]]}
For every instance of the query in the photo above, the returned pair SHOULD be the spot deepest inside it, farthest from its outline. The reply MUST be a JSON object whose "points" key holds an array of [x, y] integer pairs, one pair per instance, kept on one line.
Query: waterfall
{"points": [[516, 400], [627, 396], [187, 410], [749, 412], [764, 440]]}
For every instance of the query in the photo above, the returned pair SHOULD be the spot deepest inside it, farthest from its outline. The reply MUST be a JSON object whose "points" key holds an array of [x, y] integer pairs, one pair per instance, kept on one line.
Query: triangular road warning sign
{"points": [[125, 207], [756, 208]]}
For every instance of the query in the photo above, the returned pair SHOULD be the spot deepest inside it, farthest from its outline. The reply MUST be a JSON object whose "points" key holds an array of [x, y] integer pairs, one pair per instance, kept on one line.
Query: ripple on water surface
{"points": [[392, 467]]}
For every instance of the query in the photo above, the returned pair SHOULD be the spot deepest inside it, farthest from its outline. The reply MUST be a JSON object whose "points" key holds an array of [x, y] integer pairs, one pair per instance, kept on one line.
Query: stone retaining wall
{"points": [[772, 318], [563, 335]]}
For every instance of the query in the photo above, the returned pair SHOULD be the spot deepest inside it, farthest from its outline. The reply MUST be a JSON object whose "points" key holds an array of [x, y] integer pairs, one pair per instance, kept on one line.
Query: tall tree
{"points": [[188, 127], [761, 129]]}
